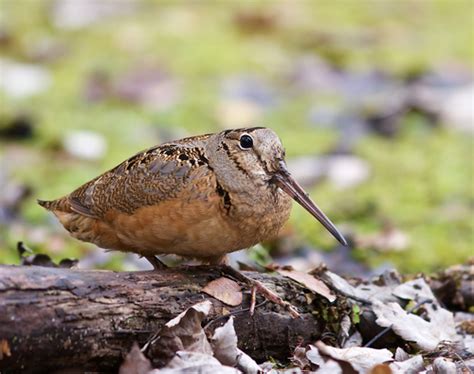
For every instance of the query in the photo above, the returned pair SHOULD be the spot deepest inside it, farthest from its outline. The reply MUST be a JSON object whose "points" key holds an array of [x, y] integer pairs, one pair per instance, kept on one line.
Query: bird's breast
{"points": [[260, 214]]}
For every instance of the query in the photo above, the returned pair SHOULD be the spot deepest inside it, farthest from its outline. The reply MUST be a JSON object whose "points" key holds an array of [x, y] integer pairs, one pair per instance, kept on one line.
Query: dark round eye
{"points": [[246, 141]]}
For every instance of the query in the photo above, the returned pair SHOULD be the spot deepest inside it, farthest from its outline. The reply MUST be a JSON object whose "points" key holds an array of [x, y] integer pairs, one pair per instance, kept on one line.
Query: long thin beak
{"points": [[284, 180]]}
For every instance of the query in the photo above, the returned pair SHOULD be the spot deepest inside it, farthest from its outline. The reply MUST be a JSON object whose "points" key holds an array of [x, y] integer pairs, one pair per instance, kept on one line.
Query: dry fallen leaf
{"points": [[355, 340], [401, 355], [224, 344], [425, 334], [345, 326], [416, 289], [299, 358], [385, 304], [360, 358], [182, 333], [135, 362], [183, 347], [411, 365], [313, 355], [330, 367], [363, 291], [225, 290], [194, 362], [444, 365], [310, 282], [202, 309]]}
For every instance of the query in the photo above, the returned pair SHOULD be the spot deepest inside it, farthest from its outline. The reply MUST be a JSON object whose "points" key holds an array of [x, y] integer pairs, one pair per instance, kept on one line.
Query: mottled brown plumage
{"points": [[199, 197]]}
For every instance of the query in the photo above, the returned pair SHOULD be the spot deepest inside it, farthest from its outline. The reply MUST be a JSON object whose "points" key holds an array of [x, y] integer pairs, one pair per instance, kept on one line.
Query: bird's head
{"points": [[257, 154]]}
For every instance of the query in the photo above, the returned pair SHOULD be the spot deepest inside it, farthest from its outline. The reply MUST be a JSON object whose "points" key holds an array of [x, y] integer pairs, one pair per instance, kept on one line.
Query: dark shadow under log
{"points": [[52, 318]]}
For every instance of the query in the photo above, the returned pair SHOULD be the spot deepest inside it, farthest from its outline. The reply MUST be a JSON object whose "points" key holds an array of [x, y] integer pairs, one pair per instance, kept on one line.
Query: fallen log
{"points": [[54, 318]]}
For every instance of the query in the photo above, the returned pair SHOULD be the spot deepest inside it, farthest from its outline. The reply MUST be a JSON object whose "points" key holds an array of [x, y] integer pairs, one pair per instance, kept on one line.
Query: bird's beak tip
{"points": [[342, 240], [292, 188]]}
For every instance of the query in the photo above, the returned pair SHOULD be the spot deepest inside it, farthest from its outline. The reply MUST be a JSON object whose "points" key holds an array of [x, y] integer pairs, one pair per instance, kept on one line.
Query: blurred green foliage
{"points": [[415, 175]]}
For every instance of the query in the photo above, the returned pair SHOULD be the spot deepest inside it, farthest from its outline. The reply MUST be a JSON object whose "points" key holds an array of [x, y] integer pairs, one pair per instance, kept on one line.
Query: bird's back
{"points": [[156, 182]]}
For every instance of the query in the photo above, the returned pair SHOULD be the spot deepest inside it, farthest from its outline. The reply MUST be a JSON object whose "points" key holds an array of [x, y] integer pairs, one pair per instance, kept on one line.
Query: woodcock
{"points": [[199, 197]]}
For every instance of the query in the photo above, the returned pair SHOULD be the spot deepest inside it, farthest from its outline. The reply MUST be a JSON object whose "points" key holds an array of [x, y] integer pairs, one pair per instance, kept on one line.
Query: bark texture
{"points": [[53, 318]]}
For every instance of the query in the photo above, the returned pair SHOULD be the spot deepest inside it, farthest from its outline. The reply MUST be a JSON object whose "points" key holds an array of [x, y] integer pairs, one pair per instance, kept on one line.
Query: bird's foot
{"points": [[156, 262], [258, 287]]}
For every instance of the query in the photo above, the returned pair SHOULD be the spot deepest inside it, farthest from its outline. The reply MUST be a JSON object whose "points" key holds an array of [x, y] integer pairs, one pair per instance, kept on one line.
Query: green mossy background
{"points": [[415, 175]]}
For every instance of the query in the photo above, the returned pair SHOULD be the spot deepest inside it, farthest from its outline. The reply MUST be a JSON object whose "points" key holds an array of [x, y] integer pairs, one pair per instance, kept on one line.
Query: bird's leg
{"points": [[258, 287], [219, 260], [156, 262]]}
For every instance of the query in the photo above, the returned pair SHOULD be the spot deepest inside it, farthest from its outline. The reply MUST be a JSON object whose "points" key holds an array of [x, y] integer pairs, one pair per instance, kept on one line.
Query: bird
{"points": [[201, 197]]}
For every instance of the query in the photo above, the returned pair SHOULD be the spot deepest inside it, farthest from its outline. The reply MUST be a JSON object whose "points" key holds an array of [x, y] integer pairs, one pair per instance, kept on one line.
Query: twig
{"points": [[463, 362], [378, 336], [253, 300]]}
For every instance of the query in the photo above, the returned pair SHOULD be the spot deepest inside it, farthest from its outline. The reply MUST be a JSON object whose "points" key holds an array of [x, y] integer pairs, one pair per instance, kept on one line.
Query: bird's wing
{"points": [[148, 178]]}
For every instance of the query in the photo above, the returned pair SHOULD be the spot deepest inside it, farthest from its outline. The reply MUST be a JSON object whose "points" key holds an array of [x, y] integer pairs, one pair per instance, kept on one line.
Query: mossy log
{"points": [[54, 318]]}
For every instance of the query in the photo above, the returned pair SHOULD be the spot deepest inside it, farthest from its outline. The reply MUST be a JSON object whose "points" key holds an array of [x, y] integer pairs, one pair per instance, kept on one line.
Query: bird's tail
{"points": [[45, 204], [51, 205]]}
